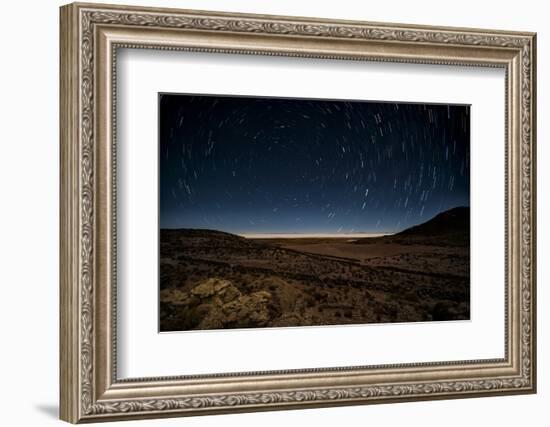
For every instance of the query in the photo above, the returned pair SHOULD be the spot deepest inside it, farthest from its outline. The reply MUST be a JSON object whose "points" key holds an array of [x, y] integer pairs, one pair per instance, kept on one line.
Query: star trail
{"points": [[278, 165]]}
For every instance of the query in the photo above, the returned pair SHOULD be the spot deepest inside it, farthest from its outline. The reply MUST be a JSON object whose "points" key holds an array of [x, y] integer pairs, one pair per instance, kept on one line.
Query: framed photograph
{"points": [[266, 212]]}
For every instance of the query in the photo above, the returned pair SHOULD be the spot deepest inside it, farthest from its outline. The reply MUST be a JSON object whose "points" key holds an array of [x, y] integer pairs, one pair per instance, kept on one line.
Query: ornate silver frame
{"points": [[90, 36]]}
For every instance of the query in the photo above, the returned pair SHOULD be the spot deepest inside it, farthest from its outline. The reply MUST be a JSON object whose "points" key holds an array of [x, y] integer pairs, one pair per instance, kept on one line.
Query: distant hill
{"points": [[451, 221], [448, 228], [188, 237]]}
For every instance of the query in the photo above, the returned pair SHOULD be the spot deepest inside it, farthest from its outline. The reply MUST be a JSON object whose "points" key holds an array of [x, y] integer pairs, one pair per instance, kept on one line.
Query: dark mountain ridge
{"points": [[453, 220], [448, 228]]}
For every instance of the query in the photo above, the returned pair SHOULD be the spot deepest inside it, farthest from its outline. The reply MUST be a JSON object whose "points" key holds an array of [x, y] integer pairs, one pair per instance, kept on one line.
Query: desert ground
{"points": [[215, 280]]}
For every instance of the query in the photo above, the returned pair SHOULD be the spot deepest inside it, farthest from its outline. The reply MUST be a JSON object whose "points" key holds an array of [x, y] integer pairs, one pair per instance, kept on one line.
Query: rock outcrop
{"points": [[218, 304]]}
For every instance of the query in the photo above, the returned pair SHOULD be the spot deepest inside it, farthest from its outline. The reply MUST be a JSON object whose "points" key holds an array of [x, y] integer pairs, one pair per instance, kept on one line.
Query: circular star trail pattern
{"points": [[273, 165]]}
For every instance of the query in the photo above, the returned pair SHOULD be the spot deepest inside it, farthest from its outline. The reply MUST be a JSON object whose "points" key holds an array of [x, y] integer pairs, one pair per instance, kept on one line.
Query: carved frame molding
{"points": [[90, 36]]}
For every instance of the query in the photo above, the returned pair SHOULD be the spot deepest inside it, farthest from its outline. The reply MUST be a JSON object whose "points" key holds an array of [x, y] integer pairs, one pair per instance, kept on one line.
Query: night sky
{"points": [[274, 165]]}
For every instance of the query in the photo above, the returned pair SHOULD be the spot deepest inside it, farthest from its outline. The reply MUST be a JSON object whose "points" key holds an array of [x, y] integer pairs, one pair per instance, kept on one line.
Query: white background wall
{"points": [[29, 170]]}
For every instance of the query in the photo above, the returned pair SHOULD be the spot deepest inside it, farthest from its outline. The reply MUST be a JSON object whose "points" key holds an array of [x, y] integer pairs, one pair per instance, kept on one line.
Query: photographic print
{"points": [[278, 212]]}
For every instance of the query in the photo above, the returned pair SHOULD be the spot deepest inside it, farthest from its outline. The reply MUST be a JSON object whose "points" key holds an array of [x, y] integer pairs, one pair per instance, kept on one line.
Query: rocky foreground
{"points": [[215, 280], [217, 304]]}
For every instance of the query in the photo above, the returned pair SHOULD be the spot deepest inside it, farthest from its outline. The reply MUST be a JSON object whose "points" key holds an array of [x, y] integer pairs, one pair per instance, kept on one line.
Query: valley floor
{"points": [[215, 280]]}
